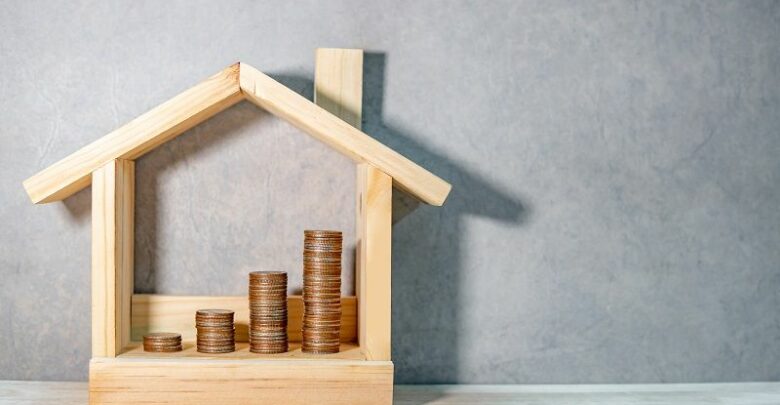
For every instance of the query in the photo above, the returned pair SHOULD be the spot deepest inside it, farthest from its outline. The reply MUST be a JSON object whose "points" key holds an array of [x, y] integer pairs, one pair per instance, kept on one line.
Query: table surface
{"points": [[37, 392]]}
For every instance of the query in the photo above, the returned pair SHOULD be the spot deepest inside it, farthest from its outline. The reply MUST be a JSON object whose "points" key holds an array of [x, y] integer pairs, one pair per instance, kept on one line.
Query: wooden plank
{"points": [[321, 124], [125, 228], [137, 137], [198, 381], [169, 313], [338, 83], [347, 351], [112, 255], [373, 261]]}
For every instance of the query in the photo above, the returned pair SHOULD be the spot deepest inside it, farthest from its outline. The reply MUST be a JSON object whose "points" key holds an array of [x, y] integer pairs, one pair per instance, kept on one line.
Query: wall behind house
{"points": [[616, 173]]}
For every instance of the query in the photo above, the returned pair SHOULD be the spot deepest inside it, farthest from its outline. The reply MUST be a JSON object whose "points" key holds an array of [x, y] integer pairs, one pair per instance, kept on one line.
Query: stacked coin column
{"points": [[216, 332], [268, 312], [321, 291], [162, 342]]}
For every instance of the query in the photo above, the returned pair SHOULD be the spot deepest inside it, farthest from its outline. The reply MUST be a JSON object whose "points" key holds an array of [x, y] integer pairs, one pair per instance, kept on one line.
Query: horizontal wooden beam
{"points": [[137, 137], [171, 313], [340, 135], [190, 381]]}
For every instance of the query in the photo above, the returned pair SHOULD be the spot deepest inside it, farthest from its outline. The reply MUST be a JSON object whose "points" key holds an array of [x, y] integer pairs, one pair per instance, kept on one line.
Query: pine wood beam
{"points": [[113, 200], [373, 261], [199, 381], [338, 83]]}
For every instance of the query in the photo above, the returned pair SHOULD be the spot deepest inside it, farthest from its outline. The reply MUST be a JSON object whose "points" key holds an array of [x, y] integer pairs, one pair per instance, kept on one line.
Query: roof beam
{"points": [[210, 97], [273, 96], [137, 137]]}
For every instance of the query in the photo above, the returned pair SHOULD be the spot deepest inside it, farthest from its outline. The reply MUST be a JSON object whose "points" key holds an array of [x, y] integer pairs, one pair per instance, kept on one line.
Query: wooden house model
{"points": [[121, 372]]}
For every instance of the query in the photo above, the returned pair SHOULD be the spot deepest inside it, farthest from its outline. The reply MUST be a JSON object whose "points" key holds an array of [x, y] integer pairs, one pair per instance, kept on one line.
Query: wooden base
{"points": [[130, 379]]}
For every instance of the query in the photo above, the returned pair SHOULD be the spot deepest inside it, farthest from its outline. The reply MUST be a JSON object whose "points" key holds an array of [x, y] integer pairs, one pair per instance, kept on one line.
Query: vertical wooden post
{"points": [[374, 231], [338, 83], [338, 87], [113, 200]]}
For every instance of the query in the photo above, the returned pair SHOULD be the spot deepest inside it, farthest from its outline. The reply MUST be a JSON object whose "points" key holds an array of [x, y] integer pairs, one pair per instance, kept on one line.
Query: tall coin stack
{"points": [[321, 291], [268, 312], [216, 333]]}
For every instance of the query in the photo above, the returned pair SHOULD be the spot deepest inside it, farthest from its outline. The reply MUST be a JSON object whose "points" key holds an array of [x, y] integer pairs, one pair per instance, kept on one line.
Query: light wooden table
{"points": [[35, 392]]}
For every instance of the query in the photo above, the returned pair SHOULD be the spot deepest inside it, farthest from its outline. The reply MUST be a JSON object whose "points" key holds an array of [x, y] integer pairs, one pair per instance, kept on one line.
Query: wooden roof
{"points": [[218, 92]]}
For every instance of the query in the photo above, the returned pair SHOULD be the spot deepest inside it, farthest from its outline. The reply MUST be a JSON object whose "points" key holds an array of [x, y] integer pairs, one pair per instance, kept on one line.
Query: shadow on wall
{"points": [[428, 262]]}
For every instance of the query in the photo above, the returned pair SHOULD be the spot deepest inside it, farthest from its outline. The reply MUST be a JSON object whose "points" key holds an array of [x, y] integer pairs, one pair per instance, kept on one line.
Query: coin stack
{"points": [[162, 342], [216, 333], [268, 312], [321, 291]]}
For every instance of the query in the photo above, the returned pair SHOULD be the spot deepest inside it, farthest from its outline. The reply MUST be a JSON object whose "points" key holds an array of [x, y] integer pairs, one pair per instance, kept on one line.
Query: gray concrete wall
{"points": [[616, 173]]}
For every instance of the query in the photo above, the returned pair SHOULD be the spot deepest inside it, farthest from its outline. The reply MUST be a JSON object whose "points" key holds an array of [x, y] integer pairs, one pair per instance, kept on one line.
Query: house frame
{"points": [[121, 372]]}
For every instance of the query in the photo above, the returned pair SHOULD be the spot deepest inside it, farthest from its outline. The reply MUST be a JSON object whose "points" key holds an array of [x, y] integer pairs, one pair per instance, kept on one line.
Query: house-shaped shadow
{"points": [[119, 371]]}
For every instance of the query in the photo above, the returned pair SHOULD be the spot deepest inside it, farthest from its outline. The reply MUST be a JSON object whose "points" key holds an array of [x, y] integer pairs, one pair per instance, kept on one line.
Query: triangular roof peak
{"points": [[220, 91]]}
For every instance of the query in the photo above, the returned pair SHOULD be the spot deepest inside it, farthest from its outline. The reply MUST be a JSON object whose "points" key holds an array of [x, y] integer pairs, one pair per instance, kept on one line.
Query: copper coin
{"points": [[218, 350], [215, 312], [216, 329], [322, 233], [162, 335], [156, 348], [268, 274], [320, 350]]}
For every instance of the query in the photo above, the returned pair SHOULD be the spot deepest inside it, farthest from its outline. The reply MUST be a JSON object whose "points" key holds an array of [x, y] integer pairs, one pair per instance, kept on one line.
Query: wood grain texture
{"points": [[373, 262], [328, 128], [338, 83], [202, 381], [113, 199], [137, 137], [169, 313]]}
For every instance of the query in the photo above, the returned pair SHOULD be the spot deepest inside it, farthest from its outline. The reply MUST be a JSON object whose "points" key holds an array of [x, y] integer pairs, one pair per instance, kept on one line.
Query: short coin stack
{"points": [[321, 291], [268, 312], [216, 333], [162, 342]]}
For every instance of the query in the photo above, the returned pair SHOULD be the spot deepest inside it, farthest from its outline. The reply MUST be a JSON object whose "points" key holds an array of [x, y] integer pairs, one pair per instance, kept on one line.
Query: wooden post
{"points": [[338, 83], [374, 231], [338, 88], [113, 200]]}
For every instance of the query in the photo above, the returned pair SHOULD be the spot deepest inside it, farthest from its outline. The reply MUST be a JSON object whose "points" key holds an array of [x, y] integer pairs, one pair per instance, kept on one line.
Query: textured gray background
{"points": [[616, 172]]}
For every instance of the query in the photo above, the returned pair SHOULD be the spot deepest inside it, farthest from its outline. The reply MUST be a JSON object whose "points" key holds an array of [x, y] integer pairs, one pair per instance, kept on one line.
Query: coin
{"points": [[268, 312], [162, 342], [321, 326], [216, 332]]}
